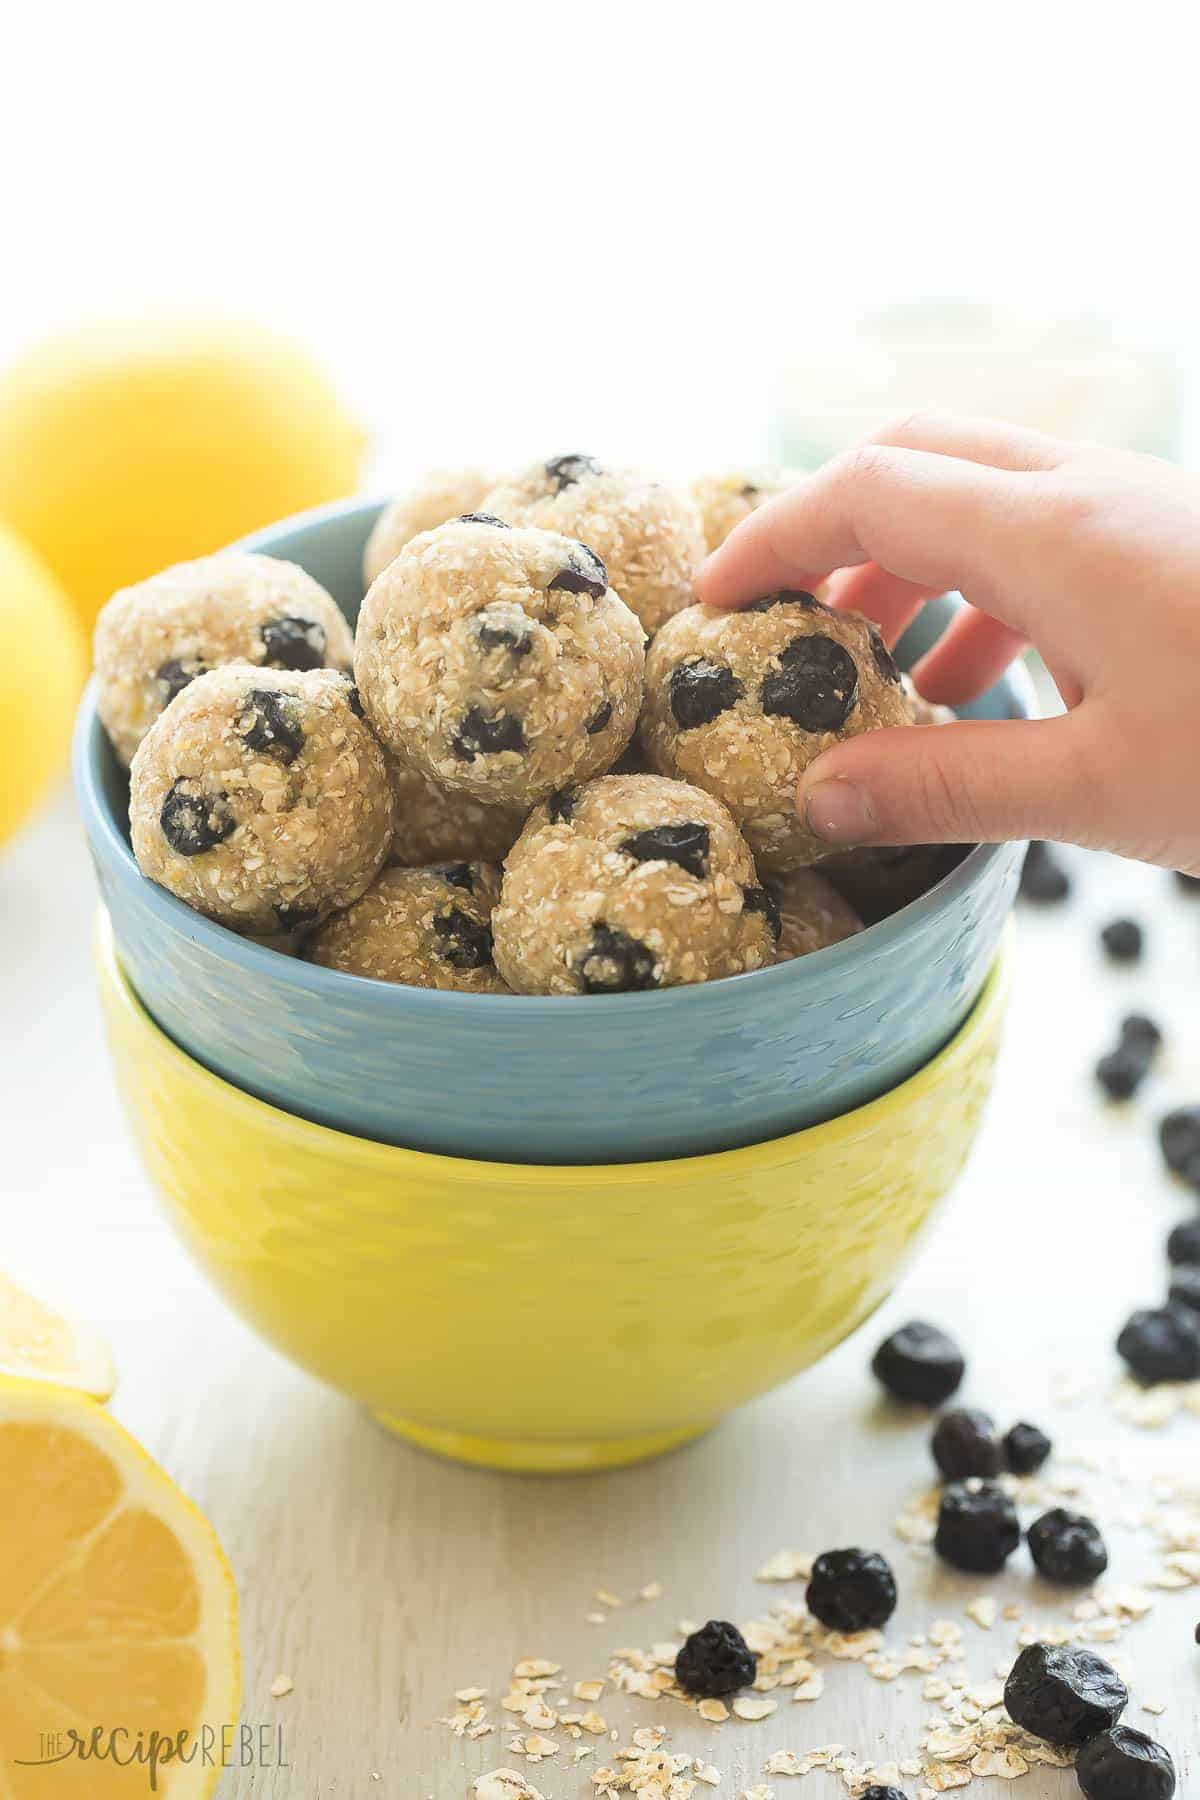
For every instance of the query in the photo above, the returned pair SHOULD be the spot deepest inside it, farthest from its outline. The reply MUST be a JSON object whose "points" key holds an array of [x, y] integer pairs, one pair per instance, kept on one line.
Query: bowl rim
{"points": [[983, 1018], [90, 744]]}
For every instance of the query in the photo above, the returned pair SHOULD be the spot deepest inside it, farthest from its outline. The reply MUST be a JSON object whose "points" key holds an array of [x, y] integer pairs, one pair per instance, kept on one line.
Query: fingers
{"points": [[935, 521], [956, 784], [988, 441], [971, 654], [890, 601]]}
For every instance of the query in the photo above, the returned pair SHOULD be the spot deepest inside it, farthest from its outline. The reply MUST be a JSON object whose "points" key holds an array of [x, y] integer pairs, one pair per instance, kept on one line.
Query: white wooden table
{"points": [[380, 1580]]}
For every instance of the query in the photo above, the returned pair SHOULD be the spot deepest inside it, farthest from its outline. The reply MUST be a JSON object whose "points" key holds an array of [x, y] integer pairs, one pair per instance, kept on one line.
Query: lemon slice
{"points": [[118, 1612], [38, 1342]]}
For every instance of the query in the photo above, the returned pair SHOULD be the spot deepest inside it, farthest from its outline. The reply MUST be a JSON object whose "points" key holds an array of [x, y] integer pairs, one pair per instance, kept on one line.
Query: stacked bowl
{"points": [[548, 1233]]}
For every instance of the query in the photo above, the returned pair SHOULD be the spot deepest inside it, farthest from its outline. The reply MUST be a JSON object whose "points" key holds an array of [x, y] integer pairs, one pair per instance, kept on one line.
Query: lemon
{"points": [[126, 447], [38, 1342], [42, 661], [118, 1611]]}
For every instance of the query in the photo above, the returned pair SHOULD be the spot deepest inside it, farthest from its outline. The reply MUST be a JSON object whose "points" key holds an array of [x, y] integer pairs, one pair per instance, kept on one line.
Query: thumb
{"points": [[953, 784]]}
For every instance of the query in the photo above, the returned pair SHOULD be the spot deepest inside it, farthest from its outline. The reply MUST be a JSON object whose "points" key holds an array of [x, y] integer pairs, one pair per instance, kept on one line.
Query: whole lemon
{"points": [[41, 672], [129, 446]]}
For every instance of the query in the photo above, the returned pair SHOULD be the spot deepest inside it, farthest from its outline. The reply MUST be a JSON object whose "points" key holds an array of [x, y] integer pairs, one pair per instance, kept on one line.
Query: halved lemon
{"points": [[39, 1343], [118, 1613]]}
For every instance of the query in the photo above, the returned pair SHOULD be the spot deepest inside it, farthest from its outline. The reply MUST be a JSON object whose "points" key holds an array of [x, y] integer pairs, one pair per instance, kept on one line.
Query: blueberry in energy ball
{"points": [[1162, 1344], [851, 1590], [977, 1527], [1123, 940], [964, 1442], [1124, 1764], [919, 1362], [1064, 1694], [740, 703], [1067, 1547], [715, 1661], [1044, 880], [1026, 1448], [1183, 1245], [498, 663]]}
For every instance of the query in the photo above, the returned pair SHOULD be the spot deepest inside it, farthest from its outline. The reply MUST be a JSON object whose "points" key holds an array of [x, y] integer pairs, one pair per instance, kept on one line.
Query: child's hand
{"points": [[1092, 555]]}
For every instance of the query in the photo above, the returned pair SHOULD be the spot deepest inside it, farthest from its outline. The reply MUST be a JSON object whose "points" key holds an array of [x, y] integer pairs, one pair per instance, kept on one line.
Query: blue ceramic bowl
{"points": [[616, 1078]]}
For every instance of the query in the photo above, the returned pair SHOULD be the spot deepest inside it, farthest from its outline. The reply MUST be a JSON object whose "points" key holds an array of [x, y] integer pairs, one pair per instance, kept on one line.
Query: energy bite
{"points": [[440, 824], [442, 494], [499, 661], [633, 882], [424, 927], [648, 536], [877, 880], [812, 914], [262, 799], [156, 637], [740, 703], [723, 500]]}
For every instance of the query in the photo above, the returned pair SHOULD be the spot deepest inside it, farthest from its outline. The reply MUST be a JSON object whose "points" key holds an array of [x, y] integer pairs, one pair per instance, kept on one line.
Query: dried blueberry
{"points": [[193, 821], [354, 699], [269, 723], [815, 686], [786, 597], [964, 1442], [561, 805], [599, 719], [714, 1661], [463, 941], [977, 1527], [1064, 1694], [563, 471], [1122, 940], [292, 643], [459, 875], [761, 900], [885, 662], [292, 918], [1136, 1028], [584, 574], [1179, 1140], [1162, 1344], [1121, 1072], [875, 1792], [175, 675], [483, 519], [701, 691], [1067, 1547], [851, 1590], [685, 844], [1183, 1245], [1043, 878], [615, 963], [503, 628], [1124, 1764], [1185, 1287], [1026, 1448], [484, 734], [919, 1362]]}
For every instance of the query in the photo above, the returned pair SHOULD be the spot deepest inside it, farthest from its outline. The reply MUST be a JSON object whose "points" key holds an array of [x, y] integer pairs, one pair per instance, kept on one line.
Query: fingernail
{"points": [[840, 812]]}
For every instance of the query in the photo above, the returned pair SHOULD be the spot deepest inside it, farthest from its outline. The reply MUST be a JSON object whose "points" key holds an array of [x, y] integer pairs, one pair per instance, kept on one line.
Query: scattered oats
{"points": [[887, 1774], [534, 1667], [947, 1632], [851, 1646], [935, 1689], [785, 1762], [987, 1698], [706, 1773], [1148, 1408], [786, 1565], [665, 1653], [715, 1711], [811, 1688], [760, 1792], [747, 1708], [947, 1775], [595, 1618], [607, 1599], [946, 1744], [1154, 1707], [483, 1729], [584, 1750], [282, 1684], [1003, 1761], [504, 1784], [650, 1737], [588, 1690], [1011, 1612], [592, 1721], [536, 1747], [540, 1716], [466, 1695], [910, 1766], [652, 1591], [982, 1610]]}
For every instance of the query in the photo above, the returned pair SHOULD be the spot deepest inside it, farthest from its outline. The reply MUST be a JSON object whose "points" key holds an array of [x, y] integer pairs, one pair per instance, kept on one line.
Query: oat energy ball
{"points": [[812, 914], [154, 638], [632, 882], [424, 927], [443, 494], [740, 703], [499, 661], [439, 824], [647, 535], [725, 499], [877, 880], [261, 798]]}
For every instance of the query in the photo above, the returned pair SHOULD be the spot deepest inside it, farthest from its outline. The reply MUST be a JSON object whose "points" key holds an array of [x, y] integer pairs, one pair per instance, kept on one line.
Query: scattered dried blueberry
{"points": [[919, 1362], [269, 723], [786, 597], [701, 691], [292, 643], [615, 963], [563, 471], [1185, 1287], [875, 1792], [1183, 1245], [1067, 1547], [1189, 883], [885, 662], [585, 574], [1122, 1071], [685, 844], [561, 805], [977, 1527], [964, 1442], [458, 875], [1162, 1344], [851, 1590], [1043, 878], [483, 519], [1124, 1764], [1137, 1028], [815, 686], [1026, 1448], [175, 675], [481, 734], [1123, 940], [762, 900], [1179, 1139], [193, 821], [1064, 1694], [463, 941], [714, 1661], [599, 719]]}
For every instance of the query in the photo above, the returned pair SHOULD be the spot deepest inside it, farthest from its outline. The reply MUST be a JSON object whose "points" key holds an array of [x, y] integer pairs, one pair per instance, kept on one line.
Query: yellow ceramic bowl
{"points": [[535, 1317]]}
